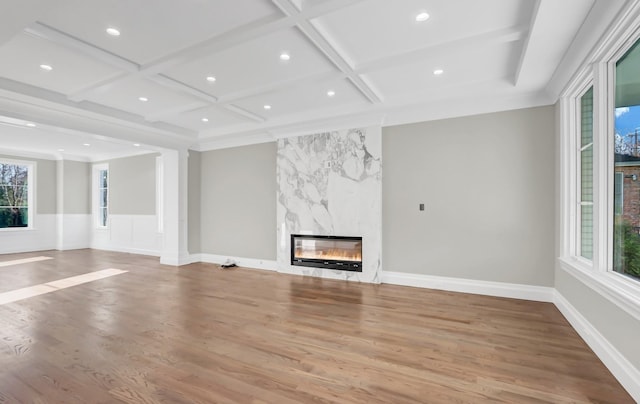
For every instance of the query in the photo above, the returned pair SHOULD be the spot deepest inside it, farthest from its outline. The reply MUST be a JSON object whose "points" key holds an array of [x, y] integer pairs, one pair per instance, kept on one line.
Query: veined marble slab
{"points": [[330, 184]]}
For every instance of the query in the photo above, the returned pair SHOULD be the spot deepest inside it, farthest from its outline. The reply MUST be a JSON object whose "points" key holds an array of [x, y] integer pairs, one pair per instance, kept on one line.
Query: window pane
{"points": [[14, 195], [103, 217], [14, 217], [103, 198], [103, 178], [626, 189], [586, 175]]}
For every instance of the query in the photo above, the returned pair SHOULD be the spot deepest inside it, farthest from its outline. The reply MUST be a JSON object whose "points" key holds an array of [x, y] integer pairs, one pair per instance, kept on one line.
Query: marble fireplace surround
{"points": [[330, 184]]}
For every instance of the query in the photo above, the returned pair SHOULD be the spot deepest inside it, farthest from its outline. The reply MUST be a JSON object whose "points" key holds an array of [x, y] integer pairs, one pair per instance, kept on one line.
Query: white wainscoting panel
{"points": [[136, 234], [74, 231], [41, 237]]}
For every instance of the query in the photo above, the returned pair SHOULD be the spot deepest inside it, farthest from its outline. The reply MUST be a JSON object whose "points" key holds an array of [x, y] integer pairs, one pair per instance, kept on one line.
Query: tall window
{"points": [[626, 214], [15, 194], [101, 192], [586, 175]]}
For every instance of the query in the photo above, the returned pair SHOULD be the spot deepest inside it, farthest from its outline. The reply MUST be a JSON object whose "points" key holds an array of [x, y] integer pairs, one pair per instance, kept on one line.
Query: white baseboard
{"points": [[269, 265], [620, 367], [499, 289], [127, 250]]}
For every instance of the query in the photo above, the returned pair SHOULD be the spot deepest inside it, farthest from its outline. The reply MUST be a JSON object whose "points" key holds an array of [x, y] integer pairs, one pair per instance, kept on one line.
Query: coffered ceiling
{"points": [[214, 73]]}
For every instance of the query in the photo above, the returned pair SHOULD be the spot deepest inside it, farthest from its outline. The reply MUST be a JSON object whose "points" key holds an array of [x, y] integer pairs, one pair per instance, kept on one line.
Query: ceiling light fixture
{"points": [[113, 31], [31, 125], [47, 68], [143, 99], [205, 119], [60, 149], [211, 79], [136, 145], [267, 107], [284, 56], [331, 93], [422, 16], [438, 72], [86, 144]]}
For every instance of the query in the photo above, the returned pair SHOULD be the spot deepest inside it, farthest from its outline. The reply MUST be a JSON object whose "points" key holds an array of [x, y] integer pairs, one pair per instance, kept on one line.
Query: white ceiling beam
{"points": [[436, 52], [543, 47], [231, 38], [82, 93], [53, 35], [171, 112], [181, 87], [279, 86], [243, 112], [323, 44], [525, 45]]}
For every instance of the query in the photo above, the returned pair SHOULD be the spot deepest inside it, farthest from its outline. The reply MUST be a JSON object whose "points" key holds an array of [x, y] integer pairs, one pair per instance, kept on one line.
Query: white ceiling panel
{"points": [[254, 65], [216, 117], [125, 95], [373, 53], [376, 29], [151, 29], [490, 63], [71, 70], [55, 142], [304, 98]]}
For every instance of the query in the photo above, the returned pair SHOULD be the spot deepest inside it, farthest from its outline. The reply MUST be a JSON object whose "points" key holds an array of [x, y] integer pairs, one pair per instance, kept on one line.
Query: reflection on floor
{"points": [[36, 290]]}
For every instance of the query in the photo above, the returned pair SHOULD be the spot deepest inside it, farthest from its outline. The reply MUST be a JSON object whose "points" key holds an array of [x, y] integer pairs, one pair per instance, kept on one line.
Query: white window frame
{"points": [[95, 200], [31, 180], [598, 69]]}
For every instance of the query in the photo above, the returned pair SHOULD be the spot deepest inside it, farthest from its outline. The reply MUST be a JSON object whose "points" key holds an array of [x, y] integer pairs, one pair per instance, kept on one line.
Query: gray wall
{"points": [[77, 187], [45, 183], [194, 202], [487, 182], [616, 325], [132, 185], [238, 200]]}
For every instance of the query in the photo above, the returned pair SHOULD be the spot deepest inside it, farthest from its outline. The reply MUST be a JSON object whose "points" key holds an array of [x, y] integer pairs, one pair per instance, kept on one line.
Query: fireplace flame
{"points": [[338, 254]]}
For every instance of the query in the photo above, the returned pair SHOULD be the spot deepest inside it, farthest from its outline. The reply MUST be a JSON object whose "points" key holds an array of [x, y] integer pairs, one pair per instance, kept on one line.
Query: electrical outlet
{"points": [[422, 206]]}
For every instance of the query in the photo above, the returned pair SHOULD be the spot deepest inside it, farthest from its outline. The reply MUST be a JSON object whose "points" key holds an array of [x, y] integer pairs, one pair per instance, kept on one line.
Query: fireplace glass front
{"points": [[332, 252]]}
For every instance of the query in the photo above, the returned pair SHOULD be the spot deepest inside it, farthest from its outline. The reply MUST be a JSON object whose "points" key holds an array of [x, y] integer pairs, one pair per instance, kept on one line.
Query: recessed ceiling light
{"points": [[284, 56], [60, 149], [31, 125], [267, 107], [211, 79], [113, 31], [438, 72], [143, 99], [86, 144], [331, 93], [46, 67], [205, 119], [136, 145], [422, 16]]}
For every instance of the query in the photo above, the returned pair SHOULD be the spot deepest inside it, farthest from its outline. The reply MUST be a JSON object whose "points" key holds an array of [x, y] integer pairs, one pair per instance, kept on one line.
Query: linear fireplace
{"points": [[332, 252]]}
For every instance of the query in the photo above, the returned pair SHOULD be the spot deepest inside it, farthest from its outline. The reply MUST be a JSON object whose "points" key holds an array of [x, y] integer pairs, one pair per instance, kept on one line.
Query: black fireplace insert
{"points": [[332, 252]]}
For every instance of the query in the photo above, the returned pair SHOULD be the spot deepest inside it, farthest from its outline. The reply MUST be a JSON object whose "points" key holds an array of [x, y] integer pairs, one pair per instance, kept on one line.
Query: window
{"points": [[600, 167], [586, 175], [626, 157], [16, 194], [101, 194]]}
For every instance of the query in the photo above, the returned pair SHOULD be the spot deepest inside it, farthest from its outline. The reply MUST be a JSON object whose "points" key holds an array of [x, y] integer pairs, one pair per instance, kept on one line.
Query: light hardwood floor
{"points": [[200, 334]]}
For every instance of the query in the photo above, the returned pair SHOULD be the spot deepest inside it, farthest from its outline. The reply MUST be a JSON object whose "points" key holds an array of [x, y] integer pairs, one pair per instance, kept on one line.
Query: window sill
{"points": [[16, 229], [623, 292]]}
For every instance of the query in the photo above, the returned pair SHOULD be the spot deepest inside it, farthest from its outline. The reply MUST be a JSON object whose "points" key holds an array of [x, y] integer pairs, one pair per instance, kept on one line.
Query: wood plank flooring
{"points": [[200, 334]]}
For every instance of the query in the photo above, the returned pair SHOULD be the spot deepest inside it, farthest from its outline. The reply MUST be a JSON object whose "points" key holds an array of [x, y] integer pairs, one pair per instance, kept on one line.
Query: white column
{"points": [[60, 244], [174, 251]]}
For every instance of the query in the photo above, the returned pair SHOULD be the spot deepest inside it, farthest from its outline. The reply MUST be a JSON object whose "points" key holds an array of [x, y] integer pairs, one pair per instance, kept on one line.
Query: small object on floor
{"points": [[228, 264]]}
